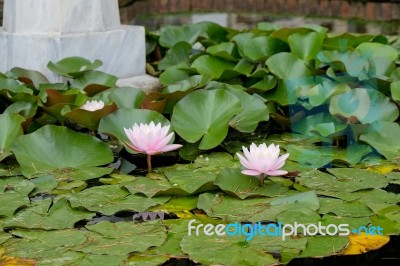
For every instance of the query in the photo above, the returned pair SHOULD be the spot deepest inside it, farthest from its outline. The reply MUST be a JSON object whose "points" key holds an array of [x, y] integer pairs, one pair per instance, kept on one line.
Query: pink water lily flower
{"points": [[150, 139], [263, 160], [93, 105]]}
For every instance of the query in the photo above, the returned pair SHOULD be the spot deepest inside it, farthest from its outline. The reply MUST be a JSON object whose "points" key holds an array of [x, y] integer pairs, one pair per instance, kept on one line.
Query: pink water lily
{"points": [[263, 160], [150, 139], [93, 105]]}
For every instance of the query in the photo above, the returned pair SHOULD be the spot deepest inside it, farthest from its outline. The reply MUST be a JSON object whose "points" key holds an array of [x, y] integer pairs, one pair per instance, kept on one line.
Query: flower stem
{"points": [[149, 163], [262, 178]]}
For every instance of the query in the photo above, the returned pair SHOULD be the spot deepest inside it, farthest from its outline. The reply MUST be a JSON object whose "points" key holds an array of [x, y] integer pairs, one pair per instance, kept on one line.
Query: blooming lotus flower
{"points": [[150, 139], [263, 160], [92, 106]]}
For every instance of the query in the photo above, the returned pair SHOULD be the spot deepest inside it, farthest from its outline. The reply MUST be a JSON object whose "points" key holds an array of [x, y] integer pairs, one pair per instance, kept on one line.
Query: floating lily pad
{"points": [[233, 182], [111, 199], [205, 115], [230, 208], [37, 155], [214, 251], [44, 216], [320, 246]]}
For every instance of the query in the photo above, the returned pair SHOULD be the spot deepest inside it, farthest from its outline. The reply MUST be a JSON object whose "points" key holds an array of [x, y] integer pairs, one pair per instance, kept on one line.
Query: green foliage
{"points": [[333, 100]]}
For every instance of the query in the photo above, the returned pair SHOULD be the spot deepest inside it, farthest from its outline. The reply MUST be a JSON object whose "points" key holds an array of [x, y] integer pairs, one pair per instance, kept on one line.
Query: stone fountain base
{"points": [[38, 31], [122, 50]]}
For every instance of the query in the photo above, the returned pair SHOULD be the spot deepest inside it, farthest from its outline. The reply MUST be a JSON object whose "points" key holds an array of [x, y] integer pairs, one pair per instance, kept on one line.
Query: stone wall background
{"points": [[364, 9], [371, 16]]}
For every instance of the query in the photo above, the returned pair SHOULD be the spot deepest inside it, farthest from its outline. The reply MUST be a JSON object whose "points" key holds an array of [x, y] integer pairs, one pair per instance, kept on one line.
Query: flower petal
{"points": [[277, 172], [251, 172]]}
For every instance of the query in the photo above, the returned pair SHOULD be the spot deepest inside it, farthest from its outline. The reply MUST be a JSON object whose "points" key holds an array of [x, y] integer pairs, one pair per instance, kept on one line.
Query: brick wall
{"points": [[371, 10]]}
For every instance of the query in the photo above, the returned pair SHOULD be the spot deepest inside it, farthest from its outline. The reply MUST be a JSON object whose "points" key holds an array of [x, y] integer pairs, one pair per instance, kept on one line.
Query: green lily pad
{"points": [[126, 97], [123, 238], [73, 66], [29, 76], [206, 115], [254, 111], [306, 45], [41, 216], [230, 208], [10, 129], [233, 182], [111, 199], [287, 66], [114, 123], [227, 51], [320, 246], [380, 136], [258, 48], [87, 118], [214, 251], [364, 105], [178, 54], [37, 155], [94, 82], [342, 180], [343, 208]]}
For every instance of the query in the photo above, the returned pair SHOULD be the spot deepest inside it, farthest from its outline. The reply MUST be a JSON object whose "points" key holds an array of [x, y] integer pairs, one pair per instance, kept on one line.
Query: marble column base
{"points": [[121, 50]]}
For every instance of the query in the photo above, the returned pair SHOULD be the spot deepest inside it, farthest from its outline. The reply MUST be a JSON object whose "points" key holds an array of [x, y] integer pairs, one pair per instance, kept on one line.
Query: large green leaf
{"points": [[320, 124], [53, 148], [29, 76], [178, 54], [254, 111], [363, 105], [214, 251], [114, 123], [205, 114], [287, 66], [212, 66], [43, 215], [233, 182], [109, 199], [93, 82], [258, 48], [381, 56], [73, 66], [127, 97], [171, 35], [381, 136], [10, 129], [306, 45]]}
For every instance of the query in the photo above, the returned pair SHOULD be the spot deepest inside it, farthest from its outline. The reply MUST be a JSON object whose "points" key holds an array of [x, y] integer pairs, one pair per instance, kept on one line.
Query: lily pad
{"points": [[73, 66], [44, 216], [111, 199], [205, 115], [37, 155], [114, 123], [231, 208], [233, 182], [10, 129], [214, 251]]}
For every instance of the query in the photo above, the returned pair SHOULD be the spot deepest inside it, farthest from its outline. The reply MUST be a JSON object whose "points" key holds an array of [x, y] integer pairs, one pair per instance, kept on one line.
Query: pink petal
{"points": [[166, 148], [281, 161], [244, 161], [277, 172], [251, 172], [163, 142]]}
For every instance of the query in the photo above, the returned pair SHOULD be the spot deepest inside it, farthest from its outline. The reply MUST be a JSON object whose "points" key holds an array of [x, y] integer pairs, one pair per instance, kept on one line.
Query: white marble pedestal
{"points": [[38, 31]]}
